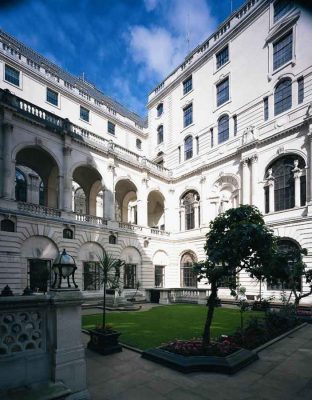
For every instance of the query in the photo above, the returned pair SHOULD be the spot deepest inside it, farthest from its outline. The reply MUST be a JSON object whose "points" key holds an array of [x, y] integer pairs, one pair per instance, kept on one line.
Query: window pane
{"points": [[281, 7], [52, 97], [84, 114], [223, 92], [110, 127], [222, 57], [160, 109], [159, 275], [282, 51], [266, 108], [130, 276], [188, 115], [282, 97], [223, 129], [300, 90], [188, 148], [91, 276], [187, 85], [235, 124], [12, 75], [160, 134]]}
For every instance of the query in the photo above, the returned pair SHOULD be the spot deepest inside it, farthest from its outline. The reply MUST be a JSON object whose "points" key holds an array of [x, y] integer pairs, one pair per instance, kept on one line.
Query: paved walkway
{"points": [[284, 372]]}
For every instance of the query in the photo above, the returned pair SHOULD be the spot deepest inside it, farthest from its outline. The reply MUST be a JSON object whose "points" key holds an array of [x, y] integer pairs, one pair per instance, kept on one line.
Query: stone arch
{"points": [[126, 201], [156, 209], [272, 158], [224, 193], [187, 277]]}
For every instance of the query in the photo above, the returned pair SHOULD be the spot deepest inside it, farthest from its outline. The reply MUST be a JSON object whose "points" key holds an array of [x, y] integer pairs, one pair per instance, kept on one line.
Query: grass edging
{"points": [[278, 338]]}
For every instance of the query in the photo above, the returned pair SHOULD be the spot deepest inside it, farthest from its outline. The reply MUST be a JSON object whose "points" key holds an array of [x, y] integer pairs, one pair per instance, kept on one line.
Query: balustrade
{"points": [[91, 219], [38, 209]]}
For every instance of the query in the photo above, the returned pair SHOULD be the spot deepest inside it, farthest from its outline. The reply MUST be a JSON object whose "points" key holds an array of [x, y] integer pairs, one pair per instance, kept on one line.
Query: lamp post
{"points": [[64, 267]]}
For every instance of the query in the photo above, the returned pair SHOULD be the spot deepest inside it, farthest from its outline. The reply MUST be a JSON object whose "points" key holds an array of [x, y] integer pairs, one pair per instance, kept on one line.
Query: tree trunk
{"points": [[211, 306], [104, 307]]}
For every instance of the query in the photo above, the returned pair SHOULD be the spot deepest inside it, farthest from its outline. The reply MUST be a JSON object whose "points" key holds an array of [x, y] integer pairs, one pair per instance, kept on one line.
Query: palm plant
{"points": [[109, 276]]}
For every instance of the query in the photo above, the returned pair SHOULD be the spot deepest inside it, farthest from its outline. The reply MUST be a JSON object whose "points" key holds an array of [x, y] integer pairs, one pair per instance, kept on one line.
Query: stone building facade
{"points": [[231, 125]]}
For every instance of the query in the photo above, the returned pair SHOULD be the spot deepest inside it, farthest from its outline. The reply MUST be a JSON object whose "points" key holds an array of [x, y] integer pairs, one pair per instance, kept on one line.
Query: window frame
{"points": [[9, 81], [279, 107], [225, 98], [282, 12], [276, 66], [187, 85], [81, 114], [266, 111], [221, 62], [57, 97], [188, 152], [300, 83], [160, 134], [221, 137], [160, 109], [188, 115], [95, 281], [138, 143], [111, 128]]}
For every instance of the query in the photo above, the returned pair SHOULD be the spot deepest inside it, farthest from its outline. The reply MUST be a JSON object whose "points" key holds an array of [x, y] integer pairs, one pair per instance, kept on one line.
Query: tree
{"points": [[109, 276], [237, 239], [289, 267]]}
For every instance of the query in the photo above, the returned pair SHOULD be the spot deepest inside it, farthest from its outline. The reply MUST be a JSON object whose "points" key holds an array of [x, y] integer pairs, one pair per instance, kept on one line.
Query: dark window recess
{"points": [[266, 108], [281, 8], [267, 199], [138, 144], [111, 127], [160, 134], [52, 97], [222, 57], [188, 115], [68, 233], [91, 276], [160, 109], [223, 129], [282, 96], [188, 277], [235, 124], [130, 276], [7, 225], [197, 145], [300, 90], [159, 276], [187, 85], [282, 50], [179, 154], [20, 186], [189, 201], [303, 190], [211, 137], [188, 148], [39, 275], [84, 114], [12, 75], [223, 93], [112, 239]]}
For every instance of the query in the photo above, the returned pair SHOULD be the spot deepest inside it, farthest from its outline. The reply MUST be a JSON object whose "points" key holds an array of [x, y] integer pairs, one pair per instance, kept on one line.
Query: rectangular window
{"points": [[188, 115], [282, 50], [130, 276], [222, 57], [187, 85], [266, 199], [39, 275], [12, 75], [235, 124], [266, 108], [91, 276], [111, 128], [52, 97], [138, 144], [300, 90], [281, 8], [223, 92], [179, 154], [159, 275], [84, 114], [197, 144], [211, 137]]}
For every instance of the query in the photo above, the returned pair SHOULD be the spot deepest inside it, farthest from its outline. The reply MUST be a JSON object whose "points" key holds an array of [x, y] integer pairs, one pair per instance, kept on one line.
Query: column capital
{"points": [[254, 158], [245, 162], [67, 150]]}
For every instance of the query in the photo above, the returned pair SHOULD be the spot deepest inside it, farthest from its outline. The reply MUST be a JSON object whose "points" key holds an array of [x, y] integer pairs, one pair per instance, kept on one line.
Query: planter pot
{"points": [[226, 365], [104, 341]]}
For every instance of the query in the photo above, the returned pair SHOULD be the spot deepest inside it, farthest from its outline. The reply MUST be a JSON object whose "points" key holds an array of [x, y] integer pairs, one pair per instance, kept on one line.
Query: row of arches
{"points": [[37, 181]]}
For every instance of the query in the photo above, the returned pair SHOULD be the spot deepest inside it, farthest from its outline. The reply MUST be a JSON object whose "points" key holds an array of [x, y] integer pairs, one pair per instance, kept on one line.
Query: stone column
{"points": [[245, 181], [142, 203], [66, 349], [297, 176], [271, 195], [254, 181], [8, 167], [196, 215], [67, 180], [109, 193]]}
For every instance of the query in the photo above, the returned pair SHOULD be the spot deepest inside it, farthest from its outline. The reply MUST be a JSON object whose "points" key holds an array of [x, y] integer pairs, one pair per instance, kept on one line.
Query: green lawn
{"points": [[159, 325]]}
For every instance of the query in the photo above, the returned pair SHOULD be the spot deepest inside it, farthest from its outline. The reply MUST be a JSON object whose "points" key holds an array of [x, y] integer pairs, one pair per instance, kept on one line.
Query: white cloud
{"points": [[160, 47]]}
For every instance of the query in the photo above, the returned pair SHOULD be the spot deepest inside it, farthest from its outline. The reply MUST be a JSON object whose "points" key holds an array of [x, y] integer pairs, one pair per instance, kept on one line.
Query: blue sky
{"points": [[124, 47]]}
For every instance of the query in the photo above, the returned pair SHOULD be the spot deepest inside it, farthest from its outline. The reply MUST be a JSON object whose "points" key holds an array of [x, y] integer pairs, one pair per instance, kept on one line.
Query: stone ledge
{"points": [[40, 391], [224, 365]]}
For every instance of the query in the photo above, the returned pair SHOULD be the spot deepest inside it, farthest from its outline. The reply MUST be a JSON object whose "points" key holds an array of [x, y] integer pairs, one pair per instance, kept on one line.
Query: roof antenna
{"points": [[231, 6], [188, 33], [83, 76]]}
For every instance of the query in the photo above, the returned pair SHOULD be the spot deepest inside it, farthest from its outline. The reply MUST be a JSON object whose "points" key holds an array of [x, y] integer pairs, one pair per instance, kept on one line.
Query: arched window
{"points": [[188, 147], [282, 96], [112, 239], [223, 129], [41, 194], [285, 246], [138, 144], [160, 109], [68, 233], [284, 172], [160, 134], [20, 186], [7, 225], [80, 201], [188, 276], [190, 202]]}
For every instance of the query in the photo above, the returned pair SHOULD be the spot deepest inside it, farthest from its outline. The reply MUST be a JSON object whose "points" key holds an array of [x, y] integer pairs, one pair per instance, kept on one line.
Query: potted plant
{"points": [[103, 339]]}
